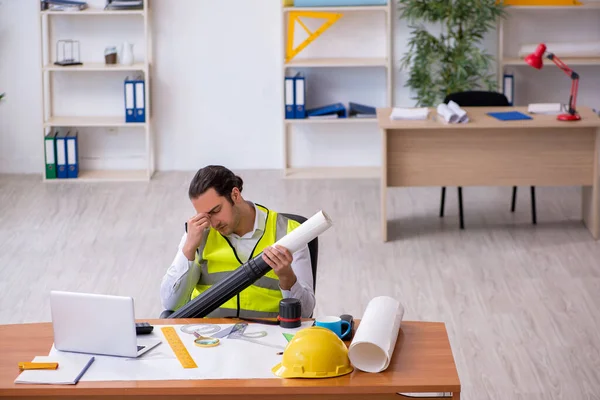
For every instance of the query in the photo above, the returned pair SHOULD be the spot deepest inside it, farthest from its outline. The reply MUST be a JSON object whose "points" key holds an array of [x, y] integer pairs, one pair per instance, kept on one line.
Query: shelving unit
{"points": [[385, 62], [504, 60], [95, 14]]}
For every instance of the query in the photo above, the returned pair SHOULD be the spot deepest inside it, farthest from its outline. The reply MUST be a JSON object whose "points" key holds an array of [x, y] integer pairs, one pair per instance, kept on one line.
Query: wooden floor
{"points": [[521, 302]]}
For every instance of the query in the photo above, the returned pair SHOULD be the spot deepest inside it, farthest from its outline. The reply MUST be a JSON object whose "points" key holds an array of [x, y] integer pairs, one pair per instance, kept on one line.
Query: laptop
{"points": [[96, 324]]}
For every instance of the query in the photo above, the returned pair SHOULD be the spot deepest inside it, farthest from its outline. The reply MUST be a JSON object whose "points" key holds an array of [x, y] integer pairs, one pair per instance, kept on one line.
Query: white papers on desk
{"points": [[375, 339], [399, 113], [231, 359], [71, 367], [546, 108]]}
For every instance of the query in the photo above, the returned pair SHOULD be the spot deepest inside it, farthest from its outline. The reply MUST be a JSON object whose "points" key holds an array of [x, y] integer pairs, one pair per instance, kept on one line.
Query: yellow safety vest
{"points": [[217, 259]]}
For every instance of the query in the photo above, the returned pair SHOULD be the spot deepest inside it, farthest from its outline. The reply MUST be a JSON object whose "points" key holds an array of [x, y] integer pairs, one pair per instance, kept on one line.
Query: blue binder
{"points": [[332, 109], [72, 155], [299, 96], [61, 155], [140, 101], [290, 98], [361, 110], [129, 96], [508, 87]]}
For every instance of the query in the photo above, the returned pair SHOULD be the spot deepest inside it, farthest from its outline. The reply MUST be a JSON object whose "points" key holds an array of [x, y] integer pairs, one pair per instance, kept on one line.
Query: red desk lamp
{"points": [[535, 60]]}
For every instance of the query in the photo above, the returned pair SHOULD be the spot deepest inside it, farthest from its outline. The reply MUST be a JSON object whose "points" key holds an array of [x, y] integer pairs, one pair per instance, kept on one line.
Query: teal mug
{"points": [[334, 324]]}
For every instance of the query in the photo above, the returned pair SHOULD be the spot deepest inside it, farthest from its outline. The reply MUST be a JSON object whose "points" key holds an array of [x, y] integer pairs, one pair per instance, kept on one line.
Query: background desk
{"points": [[488, 152], [422, 362]]}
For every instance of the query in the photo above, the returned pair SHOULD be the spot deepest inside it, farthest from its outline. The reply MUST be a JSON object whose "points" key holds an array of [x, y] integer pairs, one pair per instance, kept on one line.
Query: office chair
{"points": [[482, 99], [313, 249]]}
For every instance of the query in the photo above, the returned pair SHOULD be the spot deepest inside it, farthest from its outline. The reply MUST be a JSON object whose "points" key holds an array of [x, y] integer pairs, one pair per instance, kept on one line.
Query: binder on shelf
{"points": [[50, 154], [72, 155], [140, 101], [129, 101], [290, 104], [361, 111], [61, 155], [336, 110], [508, 87], [299, 96]]}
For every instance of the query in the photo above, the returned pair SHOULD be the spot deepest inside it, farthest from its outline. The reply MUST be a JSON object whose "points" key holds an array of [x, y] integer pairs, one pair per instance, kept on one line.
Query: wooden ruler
{"points": [[179, 349]]}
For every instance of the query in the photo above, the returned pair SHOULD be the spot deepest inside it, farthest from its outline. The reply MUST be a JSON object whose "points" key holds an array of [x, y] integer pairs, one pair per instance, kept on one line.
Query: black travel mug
{"points": [[290, 313]]}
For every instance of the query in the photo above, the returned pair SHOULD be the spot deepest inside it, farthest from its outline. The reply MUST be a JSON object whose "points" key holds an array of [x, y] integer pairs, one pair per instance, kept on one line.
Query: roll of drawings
{"points": [[310, 229], [460, 113], [446, 113], [375, 339]]}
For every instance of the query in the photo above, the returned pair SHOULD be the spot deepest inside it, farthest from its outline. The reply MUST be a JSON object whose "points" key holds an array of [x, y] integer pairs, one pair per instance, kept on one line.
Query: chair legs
{"points": [[533, 210], [533, 205], [514, 199], [460, 208], [443, 201], [460, 205]]}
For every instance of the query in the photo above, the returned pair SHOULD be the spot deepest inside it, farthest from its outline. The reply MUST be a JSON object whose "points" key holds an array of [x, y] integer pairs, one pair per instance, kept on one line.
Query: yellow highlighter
{"points": [[37, 365]]}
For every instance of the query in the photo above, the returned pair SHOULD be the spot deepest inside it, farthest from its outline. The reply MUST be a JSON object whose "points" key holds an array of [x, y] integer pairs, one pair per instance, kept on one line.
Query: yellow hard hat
{"points": [[314, 352]]}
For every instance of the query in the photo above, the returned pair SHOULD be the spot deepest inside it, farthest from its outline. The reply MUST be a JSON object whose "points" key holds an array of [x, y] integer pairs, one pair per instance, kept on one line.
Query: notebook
{"points": [[71, 368], [509, 115]]}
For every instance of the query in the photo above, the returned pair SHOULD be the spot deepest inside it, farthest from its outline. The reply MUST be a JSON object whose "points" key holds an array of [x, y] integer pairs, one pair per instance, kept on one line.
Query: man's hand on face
{"points": [[195, 228], [280, 260]]}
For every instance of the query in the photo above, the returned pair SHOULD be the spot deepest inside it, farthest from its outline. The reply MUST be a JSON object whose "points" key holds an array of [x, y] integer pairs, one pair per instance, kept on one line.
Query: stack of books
{"points": [[63, 5], [124, 5]]}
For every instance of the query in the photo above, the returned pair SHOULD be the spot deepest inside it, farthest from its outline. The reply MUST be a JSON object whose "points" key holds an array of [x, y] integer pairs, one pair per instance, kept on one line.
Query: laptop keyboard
{"points": [[140, 347]]}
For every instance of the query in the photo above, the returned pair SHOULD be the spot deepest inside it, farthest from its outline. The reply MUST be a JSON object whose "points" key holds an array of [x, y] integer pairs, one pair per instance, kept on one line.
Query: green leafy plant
{"points": [[452, 61]]}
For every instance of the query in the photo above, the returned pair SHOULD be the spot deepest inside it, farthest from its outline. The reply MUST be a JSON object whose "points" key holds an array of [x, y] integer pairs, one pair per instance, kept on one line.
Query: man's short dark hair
{"points": [[217, 177]]}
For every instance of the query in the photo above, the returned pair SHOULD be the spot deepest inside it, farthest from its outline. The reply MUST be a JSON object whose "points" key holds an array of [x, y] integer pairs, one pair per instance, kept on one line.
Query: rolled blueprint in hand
{"points": [[460, 113], [445, 112], [375, 339], [310, 229]]}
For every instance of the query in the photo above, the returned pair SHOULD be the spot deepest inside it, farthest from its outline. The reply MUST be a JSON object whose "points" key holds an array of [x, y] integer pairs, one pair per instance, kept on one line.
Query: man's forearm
{"points": [[178, 283]]}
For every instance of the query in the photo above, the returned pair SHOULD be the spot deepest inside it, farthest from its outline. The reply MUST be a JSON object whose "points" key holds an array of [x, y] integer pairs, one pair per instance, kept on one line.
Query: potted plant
{"points": [[454, 60]]}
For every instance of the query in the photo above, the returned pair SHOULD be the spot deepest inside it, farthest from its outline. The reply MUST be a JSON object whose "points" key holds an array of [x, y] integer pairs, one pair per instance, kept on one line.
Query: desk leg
{"points": [[384, 185], [456, 396], [590, 196]]}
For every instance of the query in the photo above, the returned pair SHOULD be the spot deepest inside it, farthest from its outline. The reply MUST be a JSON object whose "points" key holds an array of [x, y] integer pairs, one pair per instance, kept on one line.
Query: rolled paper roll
{"points": [[375, 339], [310, 229], [460, 113], [447, 114]]}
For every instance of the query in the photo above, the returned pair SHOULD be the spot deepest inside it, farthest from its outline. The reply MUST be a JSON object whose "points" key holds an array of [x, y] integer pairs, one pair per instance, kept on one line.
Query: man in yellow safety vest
{"points": [[225, 232]]}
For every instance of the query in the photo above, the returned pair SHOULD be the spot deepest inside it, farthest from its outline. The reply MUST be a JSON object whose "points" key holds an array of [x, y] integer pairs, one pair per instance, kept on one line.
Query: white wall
{"points": [[217, 86], [20, 78]]}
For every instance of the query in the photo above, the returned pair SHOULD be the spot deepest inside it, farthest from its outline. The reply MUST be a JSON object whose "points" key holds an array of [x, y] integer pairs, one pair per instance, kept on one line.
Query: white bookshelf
{"points": [[95, 15], [537, 13], [385, 61]]}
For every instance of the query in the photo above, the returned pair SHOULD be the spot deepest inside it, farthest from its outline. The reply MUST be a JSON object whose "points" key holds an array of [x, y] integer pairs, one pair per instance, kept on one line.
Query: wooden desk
{"points": [[488, 152], [422, 362]]}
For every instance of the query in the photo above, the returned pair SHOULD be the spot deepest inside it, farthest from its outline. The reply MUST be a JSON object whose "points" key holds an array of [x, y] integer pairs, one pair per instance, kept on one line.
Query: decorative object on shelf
{"points": [[535, 59], [294, 17], [453, 61], [126, 54], [67, 53], [110, 55], [542, 3]]}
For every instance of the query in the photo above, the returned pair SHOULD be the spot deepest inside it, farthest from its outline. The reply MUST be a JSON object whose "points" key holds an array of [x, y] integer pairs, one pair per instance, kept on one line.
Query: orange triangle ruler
{"points": [[294, 17]]}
